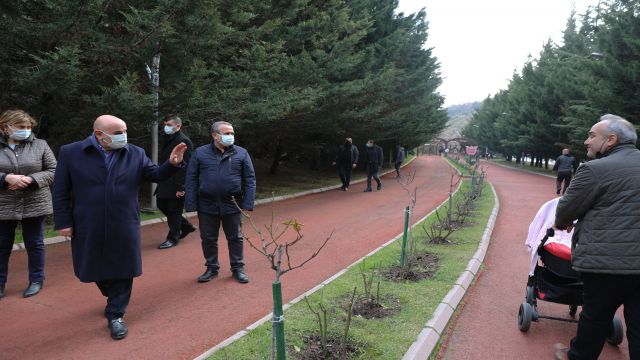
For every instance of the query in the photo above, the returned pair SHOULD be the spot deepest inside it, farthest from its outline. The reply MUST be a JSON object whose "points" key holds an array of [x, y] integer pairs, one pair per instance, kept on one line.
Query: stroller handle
{"points": [[550, 233]]}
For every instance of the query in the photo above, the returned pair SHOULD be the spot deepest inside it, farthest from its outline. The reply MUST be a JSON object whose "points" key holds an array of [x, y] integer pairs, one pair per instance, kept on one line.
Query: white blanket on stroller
{"points": [[544, 219]]}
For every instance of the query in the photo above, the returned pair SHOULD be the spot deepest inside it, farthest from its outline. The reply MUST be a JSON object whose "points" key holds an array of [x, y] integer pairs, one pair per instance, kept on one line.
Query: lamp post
{"points": [[154, 77]]}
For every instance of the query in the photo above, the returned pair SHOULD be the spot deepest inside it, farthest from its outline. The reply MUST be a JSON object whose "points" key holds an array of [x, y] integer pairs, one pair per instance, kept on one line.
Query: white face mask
{"points": [[169, 129], [226, 140], [20, 135], [118, 141]]}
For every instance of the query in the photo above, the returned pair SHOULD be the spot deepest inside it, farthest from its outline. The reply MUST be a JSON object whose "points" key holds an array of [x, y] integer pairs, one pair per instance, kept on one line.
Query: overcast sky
{"points": [[479, 43]]}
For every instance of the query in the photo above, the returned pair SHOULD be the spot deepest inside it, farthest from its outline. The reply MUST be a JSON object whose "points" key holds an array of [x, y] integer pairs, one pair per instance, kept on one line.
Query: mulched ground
{"points": [[424, 266], [333, 350], [370, 309]]}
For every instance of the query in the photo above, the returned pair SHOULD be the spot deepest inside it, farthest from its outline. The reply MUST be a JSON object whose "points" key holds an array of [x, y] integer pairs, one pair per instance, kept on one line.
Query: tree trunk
{"points": [[276, 159], [546, 163], [532, 162]]}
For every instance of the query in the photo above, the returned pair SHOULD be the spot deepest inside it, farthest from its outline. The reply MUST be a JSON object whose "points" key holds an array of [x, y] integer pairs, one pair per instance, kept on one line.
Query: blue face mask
{"points": [[118, 141], [169, 129], [226, 140], [20, 135]]}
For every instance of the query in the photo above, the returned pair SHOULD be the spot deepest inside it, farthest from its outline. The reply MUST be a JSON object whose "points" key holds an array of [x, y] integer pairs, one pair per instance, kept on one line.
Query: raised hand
{"points": [[177, 153]]}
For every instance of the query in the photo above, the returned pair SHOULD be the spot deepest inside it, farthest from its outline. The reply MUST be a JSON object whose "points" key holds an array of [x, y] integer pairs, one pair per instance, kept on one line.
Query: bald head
{"points": [[107, 125], [106, 122]]}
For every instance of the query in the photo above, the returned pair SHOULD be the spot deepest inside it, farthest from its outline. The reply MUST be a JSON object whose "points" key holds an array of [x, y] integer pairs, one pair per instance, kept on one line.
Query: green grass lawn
{"points": [[387, 338]]}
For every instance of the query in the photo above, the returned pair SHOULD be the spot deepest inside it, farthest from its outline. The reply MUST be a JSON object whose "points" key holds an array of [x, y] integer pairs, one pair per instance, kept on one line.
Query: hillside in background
{"points": [[459, 117]]}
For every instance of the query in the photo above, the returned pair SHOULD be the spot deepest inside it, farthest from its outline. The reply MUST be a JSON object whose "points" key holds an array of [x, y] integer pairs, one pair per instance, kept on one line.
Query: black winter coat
{"points": [[167, 189], [373, 157]]}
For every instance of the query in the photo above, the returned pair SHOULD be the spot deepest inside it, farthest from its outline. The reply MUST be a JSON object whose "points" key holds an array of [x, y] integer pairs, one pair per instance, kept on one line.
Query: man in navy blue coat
{"points": [[95, 203], [218, 173]]}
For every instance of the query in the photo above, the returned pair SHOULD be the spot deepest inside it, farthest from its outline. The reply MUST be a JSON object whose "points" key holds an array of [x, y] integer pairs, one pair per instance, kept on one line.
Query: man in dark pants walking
{"points": [[400, 155], [170, 193], [347, 159], [566, 165], [95, 203], [603, 197], [220, 175], [373, 163]]}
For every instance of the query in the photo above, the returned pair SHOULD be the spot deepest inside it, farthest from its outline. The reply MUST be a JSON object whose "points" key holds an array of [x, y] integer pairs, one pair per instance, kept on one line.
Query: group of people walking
{"points": [[94, 201], [348, 158]]}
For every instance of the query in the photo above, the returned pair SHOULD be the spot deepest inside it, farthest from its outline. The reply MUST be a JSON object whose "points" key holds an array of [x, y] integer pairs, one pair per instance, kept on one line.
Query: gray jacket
{"points": [[604, 196], [34, 158]]}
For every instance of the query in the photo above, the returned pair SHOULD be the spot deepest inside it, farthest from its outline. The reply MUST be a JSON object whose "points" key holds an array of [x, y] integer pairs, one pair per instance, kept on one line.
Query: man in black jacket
{"points": [[566, 165], [170, 193], [603, 198], [373, 163], [347, 159]]}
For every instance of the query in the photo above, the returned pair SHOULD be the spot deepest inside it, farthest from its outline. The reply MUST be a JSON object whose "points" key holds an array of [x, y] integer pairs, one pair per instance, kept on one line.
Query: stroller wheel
{"points": [[616, 336], [530, 296], [525, 314], [572, 310]]}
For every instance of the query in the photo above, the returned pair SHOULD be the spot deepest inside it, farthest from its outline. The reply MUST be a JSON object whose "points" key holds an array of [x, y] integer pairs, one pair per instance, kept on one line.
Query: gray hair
{"points": [[215, 128], [623, 129]]}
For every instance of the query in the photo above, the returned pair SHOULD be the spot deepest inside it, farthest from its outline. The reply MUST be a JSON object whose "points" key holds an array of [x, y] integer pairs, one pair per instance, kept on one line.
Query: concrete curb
{"points": [[268, 317], [59, 239], [430, 335]]}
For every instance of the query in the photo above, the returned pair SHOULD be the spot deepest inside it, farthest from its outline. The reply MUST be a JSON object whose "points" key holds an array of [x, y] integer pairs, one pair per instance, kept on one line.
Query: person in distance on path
{"points": [[95, 203], [373, 163], [347, 159], [566, 165], [603, 197]]}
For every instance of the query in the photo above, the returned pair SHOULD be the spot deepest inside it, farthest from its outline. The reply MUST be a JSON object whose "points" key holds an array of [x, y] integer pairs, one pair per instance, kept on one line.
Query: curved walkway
{"points": [[171, 316], [486, 325]]}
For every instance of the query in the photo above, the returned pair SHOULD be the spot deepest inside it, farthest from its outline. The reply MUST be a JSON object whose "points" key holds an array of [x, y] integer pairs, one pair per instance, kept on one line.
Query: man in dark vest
{"points": [[170, 193], [566, 165], [347, 159], [373, 163]]}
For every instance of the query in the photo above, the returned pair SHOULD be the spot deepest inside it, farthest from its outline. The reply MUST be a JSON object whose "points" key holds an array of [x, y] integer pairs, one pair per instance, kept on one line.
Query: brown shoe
{"points": [[560, 352]]}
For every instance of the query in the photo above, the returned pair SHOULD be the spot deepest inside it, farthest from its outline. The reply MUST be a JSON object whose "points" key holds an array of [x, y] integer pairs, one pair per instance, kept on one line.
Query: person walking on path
{"points": [[27, 167], [220, 178], [603, 198], [373, 163], [170, 193], [347, 159], [400, 155], [95, 203], [566, 165]]}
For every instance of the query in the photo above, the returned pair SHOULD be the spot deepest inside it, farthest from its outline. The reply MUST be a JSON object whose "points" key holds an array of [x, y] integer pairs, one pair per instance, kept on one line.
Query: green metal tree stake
{"points": [[278, 320], [404, 236]]}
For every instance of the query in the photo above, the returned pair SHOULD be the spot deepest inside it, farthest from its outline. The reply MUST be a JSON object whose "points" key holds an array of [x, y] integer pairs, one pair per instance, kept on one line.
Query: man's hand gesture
{"points": [[177, 153]]}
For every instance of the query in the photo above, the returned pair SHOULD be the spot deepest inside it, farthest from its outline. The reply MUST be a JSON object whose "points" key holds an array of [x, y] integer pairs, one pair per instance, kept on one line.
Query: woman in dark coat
{"points": [[95, 202], [27, 166]]}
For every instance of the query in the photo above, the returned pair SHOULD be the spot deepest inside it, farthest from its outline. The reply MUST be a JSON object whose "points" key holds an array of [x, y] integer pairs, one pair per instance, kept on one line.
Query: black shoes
{"points": [[209, 274], [167, 244], [118, 329], [1, 291], [367, 190], [379, 187], [240, 276], [32, 289], [187, 231]]}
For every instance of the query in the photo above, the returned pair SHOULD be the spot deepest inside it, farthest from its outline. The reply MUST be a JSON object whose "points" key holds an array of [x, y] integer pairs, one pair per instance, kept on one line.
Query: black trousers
{"points": [[172, 209], [345, 175], [603, 294], [118, 294], [563, 176], [372, 172], [397, 166], [209, 230]]}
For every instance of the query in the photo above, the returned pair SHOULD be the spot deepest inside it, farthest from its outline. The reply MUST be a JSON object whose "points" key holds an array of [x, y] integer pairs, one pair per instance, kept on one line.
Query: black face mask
{"points": [[347, 144]]}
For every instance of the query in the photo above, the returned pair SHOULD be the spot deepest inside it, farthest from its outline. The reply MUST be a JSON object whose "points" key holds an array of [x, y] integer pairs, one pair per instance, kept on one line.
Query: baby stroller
{"points": [[551, 277]]}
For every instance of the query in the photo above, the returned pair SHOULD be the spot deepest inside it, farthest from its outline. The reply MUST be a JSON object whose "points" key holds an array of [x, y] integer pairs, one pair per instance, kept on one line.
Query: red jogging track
{"points": [[486, 326], [171, 316]]}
